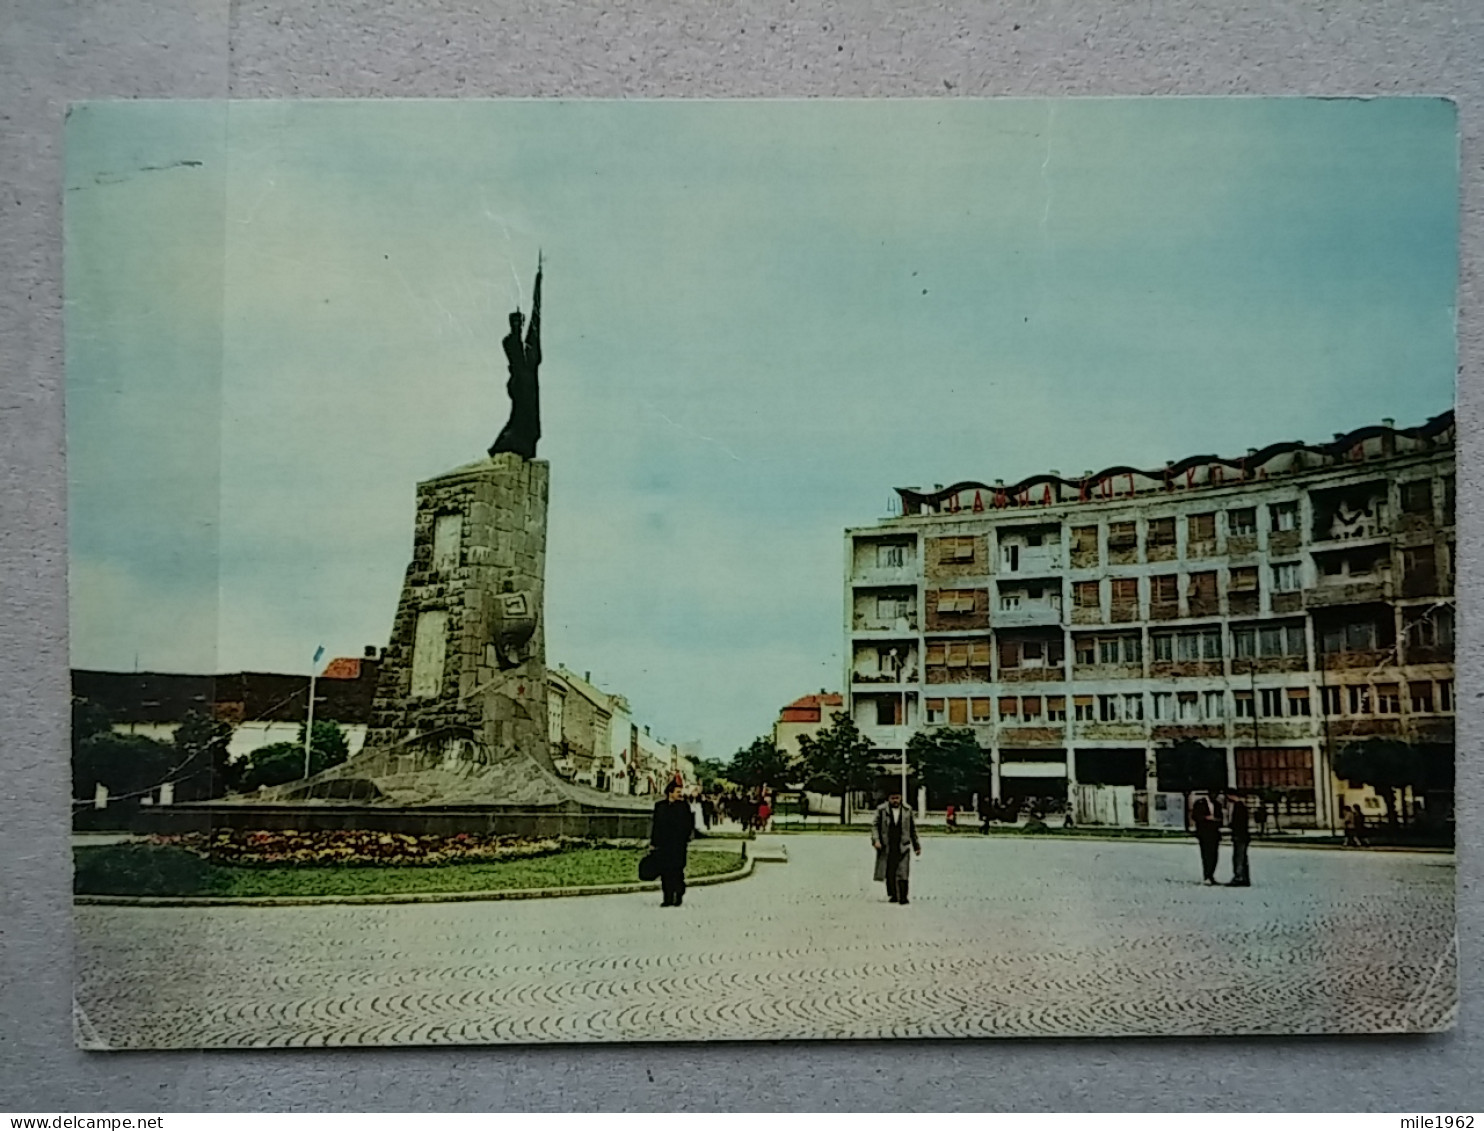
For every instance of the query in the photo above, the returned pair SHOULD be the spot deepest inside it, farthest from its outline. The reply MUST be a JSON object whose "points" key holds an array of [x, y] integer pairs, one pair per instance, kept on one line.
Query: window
{"points": [[1388, 699], [957, 653], [1270, 702], [1126, 593], [1202, 589], [979, 710], [1133, 707], [958, 712], [1108, 708], [1162, 704], [1242, 701], [891, 608], [1277, 640], [1201, 527], [891, 557], [979, 653], [1422, 701], [956, 601], [1331, 697], [1034, 539], [1284, 516], [1164, 647], [1210, 643], [1030, 709], [1084, 708], [1164, 589], [886, 711], [934, 710], [1358, 698], [1010, 552], [1086, 595], [1123, 535], [1417, 497], [1085, 648], [1187, 707], [1298, 702], [1009, 708], [1287, 577], [1187, 647], [1161, 532], [1352, 636], [1010, 601], [1056, 709], [1124, 649], [1429, 627], [1213, 703], [1445, 695], [1242, 522], [1243, 579], [957, 549], [1085, 542], [1032, 653]]}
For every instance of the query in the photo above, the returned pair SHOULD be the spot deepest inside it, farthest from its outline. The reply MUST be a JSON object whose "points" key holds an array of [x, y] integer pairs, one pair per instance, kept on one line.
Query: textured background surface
{"points": [[52, 53]]}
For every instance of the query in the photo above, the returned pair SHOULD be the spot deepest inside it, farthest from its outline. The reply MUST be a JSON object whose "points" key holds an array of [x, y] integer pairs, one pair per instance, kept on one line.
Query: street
{"points": [[1004, 937]]}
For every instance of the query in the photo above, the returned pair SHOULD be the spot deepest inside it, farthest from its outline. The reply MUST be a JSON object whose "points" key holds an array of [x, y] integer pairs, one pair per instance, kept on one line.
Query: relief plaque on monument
{"points": [[761, 570]]}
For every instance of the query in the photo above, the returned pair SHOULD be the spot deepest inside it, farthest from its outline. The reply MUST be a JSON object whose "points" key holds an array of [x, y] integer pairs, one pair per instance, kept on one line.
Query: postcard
{"points": [[583, 571]]}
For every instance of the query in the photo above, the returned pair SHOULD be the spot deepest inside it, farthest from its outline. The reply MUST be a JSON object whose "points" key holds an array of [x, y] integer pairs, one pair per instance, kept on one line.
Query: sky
{"points": [[758, 319]]}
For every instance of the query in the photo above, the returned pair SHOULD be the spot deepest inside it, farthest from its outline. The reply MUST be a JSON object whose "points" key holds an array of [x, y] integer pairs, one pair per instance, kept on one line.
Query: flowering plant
{"points": [[360, 848]]}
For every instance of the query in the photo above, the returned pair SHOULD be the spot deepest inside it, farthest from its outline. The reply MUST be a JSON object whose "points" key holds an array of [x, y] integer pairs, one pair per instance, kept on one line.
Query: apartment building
{"points": [[1276, 606]]}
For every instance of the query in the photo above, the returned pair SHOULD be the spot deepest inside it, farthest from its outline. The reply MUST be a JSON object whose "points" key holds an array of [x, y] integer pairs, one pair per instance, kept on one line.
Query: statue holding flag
{"points": [[523, 428]]}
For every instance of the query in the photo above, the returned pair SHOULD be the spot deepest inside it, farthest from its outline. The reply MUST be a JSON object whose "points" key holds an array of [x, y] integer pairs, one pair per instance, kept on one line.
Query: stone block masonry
{"points": [[477, 578]]}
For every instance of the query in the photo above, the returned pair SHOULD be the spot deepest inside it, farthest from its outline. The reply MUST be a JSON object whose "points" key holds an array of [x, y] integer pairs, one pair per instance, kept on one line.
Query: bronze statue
{"points": [[523, 428]]}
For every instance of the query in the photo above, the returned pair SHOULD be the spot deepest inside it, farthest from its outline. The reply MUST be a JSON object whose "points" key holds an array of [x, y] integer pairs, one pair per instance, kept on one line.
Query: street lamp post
{"points": [[309, 715]]}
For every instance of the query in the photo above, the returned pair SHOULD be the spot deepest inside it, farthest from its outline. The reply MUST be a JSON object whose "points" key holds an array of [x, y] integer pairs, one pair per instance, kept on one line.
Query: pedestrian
{"points": [[1362, 840], [1206, 818], [669, 836], [1262, 817], [698, 814], [894, 837], [1236, 821], [950, 817], [764, 815], [708, 811], [1351, 840]]}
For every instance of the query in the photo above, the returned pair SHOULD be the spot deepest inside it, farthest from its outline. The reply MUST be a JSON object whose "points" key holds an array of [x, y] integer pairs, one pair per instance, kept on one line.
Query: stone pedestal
{"points": [[464, 675], [459, 721]]}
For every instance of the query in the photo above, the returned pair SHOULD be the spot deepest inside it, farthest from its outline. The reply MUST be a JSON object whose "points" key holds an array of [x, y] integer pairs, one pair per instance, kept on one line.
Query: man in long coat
{"points": [[894, 837], [1206, 817], [1237, 821]]}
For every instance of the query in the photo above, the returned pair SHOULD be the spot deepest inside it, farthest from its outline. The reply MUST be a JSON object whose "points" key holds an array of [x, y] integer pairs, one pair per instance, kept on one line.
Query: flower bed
{"points": [[354, 848], [170, 869]]}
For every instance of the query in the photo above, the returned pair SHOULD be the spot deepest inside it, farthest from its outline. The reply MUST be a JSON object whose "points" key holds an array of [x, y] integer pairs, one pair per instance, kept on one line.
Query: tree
{"points": [[838, 759], [950, 762], [759, 764], [710, 773], [1190, 767], [201, 751], [128, 765], [1387, 765], [282, 762]]}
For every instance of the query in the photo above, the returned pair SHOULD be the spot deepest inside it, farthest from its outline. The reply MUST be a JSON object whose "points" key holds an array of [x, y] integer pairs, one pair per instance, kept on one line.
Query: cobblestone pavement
{"points": [[1003, 937]]}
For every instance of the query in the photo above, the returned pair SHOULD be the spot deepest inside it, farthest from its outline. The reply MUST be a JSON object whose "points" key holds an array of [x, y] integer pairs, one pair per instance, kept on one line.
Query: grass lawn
{"points": [[147, 869]]}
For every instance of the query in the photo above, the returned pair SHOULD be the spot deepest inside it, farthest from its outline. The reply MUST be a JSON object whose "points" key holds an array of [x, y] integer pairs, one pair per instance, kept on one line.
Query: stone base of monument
{"points": [[458, 736]]}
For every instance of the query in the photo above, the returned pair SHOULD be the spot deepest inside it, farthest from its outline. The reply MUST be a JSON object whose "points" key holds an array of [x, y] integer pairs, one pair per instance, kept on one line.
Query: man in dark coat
{"points": [[894, 837], [1206, 818], [669, 835], [1237, 822]]}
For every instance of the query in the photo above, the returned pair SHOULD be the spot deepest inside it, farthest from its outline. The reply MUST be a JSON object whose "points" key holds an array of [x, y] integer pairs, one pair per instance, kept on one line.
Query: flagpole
{"points": [[309, 715]]}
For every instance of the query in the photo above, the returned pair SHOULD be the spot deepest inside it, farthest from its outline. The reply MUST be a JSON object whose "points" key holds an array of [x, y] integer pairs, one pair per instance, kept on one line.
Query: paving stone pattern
{"points": [[1004, 937]]}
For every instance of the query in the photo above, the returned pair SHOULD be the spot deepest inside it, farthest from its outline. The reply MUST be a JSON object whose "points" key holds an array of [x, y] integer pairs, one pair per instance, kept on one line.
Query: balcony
{"points": [[884, 626], [1348, 589], [1038, 561], [867, 575], [1015, 734], [1027, 614]]}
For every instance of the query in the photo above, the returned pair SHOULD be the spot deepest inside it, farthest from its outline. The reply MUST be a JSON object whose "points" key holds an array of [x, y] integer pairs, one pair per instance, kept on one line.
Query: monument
{"points": [[459, 720]]}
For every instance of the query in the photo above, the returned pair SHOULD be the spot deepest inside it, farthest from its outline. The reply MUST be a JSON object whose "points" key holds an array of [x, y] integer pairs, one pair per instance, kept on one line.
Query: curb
{"points": [[740, 873], [1172, 838]]}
